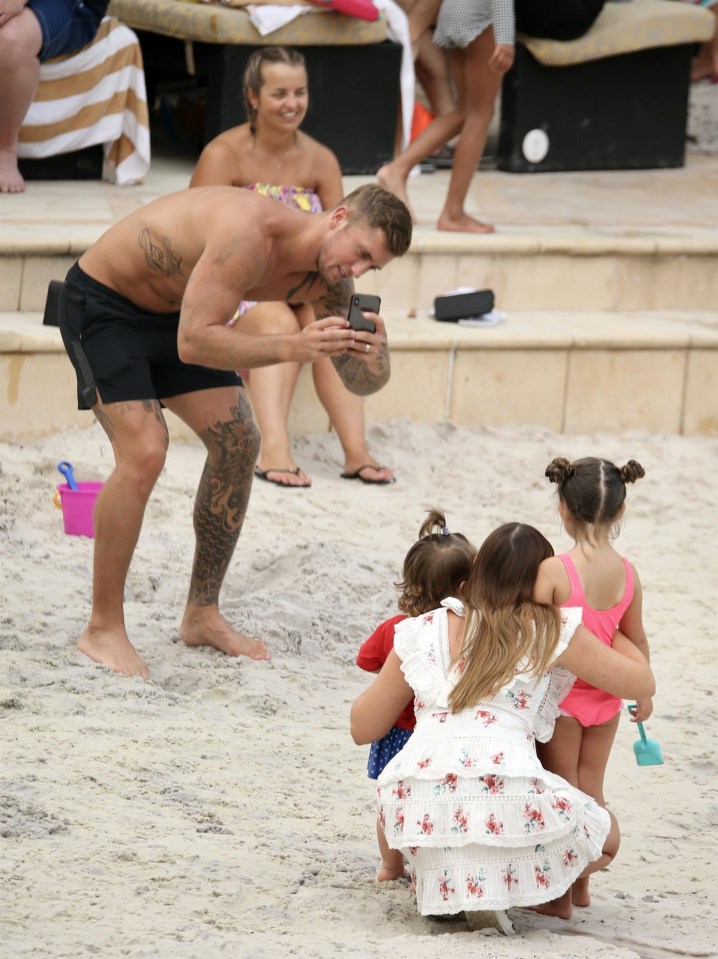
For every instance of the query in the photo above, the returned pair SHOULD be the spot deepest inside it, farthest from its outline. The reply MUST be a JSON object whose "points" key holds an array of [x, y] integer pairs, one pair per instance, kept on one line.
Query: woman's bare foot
{"points": [[395, 183], [371, 471], [580, 895], [704, 65], [462, 224], [205, 626], [11, 180], [562, 907], [284, 476], [114, 650]]}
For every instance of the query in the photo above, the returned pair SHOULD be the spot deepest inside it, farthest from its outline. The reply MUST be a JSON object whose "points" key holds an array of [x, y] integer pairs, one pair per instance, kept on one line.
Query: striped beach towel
{"points": [[94, 96]]}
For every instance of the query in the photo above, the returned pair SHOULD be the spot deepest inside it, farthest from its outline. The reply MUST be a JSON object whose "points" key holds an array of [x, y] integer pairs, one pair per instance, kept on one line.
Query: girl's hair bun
{"points": [[559, 470], [631, 471]]}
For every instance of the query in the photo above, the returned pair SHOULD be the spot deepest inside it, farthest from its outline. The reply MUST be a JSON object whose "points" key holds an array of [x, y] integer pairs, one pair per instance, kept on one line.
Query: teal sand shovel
{"points": [[648, 752]]}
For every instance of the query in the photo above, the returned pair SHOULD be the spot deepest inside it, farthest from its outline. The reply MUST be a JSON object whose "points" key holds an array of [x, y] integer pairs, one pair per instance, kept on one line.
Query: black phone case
{"points": [[359, 302]]}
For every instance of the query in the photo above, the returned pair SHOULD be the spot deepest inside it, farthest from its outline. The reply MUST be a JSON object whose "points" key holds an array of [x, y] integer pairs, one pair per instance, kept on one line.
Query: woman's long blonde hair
{"points": [[503, 624]]}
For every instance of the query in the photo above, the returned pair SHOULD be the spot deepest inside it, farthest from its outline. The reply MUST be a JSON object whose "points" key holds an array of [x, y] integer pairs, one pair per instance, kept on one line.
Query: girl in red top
{"points": [[435, 567]]}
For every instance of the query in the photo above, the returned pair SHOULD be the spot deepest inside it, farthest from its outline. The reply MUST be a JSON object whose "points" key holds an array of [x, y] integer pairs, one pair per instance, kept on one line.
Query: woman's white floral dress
{"points": [[483, 824]]}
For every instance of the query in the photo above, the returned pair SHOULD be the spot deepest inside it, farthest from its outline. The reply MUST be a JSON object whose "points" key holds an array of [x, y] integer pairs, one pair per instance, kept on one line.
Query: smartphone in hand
{"points": [[359, 302]]}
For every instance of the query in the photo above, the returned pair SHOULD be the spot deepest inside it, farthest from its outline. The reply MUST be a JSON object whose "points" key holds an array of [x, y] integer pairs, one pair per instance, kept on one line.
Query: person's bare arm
{"points": [[228, 267], [329, 179], [543, 591], [376, 710], [362, 372], [621, 670], [215, 166], [631, 625]]}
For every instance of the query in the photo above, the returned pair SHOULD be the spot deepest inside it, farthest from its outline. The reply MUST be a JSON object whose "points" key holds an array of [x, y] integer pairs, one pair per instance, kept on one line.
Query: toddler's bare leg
{"points": [[392, 860]]}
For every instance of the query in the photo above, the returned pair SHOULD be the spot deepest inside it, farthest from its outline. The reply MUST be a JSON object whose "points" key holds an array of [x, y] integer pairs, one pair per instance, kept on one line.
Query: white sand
{"points": [[223, 809]]}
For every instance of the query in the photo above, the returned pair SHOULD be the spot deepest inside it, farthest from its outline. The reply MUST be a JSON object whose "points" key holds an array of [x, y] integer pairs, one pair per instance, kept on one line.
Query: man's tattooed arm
{"points": [[359, 375], [336, 300]]}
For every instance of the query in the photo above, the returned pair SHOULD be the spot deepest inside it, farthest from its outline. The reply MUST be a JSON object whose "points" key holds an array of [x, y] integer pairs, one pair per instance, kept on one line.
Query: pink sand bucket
{"points": [[77, 507]]}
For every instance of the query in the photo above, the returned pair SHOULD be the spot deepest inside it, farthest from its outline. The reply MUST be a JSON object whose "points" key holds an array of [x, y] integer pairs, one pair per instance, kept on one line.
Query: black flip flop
{"points": [[356, 475], [262, 474]]}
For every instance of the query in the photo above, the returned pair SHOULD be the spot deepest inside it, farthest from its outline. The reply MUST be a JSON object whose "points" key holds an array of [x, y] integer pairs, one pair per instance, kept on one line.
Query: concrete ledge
{"points": [[22, 239], [570, 371]]}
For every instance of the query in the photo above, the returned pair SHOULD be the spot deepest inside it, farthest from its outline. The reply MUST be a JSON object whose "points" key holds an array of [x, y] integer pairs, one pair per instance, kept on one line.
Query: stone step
{"points": [[568, 370], [549, 269]]}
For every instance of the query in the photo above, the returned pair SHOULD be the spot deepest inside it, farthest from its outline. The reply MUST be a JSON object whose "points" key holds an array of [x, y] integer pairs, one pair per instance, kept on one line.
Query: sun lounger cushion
{"points": [[219, 23], [625, 28]]}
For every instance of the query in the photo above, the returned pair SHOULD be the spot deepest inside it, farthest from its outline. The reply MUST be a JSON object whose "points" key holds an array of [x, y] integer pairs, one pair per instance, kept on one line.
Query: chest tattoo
{"points": [[309, 280], [161, 258]]}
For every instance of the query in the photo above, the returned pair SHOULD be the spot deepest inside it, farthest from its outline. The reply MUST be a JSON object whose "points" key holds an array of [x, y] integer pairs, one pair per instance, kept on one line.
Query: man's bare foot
{"points": [[205, 626], [462, 224], [580, 895], [396, 184], [114, 650], [561, 907], [11, 180]]}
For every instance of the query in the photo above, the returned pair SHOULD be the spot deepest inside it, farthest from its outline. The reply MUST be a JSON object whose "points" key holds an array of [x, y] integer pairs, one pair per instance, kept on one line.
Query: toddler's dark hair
{"points": [[593, 489], [435, 567]]}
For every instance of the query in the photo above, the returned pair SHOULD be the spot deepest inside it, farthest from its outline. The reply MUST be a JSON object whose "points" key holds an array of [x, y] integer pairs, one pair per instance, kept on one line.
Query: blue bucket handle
{"points": [[66, 469]]}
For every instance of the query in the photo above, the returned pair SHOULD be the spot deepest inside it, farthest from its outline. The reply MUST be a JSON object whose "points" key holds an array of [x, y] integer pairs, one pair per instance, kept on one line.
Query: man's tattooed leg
{"points": [[221, 503]]}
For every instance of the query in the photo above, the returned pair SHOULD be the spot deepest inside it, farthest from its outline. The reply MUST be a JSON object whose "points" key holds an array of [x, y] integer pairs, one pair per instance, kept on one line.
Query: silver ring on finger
{"points": [[368, 347]]}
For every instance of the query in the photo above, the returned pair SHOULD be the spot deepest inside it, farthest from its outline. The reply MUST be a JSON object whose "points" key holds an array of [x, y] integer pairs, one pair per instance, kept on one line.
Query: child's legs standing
{"points": [[562, 752], [392, 860], [580, 755], [596, 744], [381, 752], [477, 86]]}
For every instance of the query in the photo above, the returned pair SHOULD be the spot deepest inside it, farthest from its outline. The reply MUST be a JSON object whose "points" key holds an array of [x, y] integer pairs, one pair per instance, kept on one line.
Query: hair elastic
{"points": [[445, 531]]}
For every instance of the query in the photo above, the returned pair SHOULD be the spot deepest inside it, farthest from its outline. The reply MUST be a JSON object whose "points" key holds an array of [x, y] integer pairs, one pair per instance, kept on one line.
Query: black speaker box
{"points": [[625, 112]]}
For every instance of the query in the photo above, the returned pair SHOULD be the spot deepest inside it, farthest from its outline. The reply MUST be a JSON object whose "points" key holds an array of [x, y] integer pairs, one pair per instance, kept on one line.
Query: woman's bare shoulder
{"points": [[319, 154], [220, 161]]}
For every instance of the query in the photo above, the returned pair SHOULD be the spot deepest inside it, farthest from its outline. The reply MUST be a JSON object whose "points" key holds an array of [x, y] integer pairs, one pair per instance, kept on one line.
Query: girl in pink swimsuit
{"points": [[592, 575]]}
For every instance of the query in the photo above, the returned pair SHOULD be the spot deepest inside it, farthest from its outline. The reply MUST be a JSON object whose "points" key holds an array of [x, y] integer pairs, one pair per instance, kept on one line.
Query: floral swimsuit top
{"points": [[296, 196]]}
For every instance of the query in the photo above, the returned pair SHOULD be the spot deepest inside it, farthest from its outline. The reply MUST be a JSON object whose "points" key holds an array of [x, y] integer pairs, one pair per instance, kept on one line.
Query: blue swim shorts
{"points": [[67, 25]]}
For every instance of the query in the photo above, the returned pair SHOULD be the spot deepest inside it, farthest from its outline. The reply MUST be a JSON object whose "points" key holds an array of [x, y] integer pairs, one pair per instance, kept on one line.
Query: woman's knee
{"points": [[270, 318]]}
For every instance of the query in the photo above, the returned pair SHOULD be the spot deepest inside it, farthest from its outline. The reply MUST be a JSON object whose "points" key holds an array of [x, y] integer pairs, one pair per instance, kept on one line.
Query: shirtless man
{"points": [[143, 316]]}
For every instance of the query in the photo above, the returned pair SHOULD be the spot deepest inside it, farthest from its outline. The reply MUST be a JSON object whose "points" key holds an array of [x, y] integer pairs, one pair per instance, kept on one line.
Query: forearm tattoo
{"points": [[161, 258], [356, 375], [335, 302], [222, 498]]}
